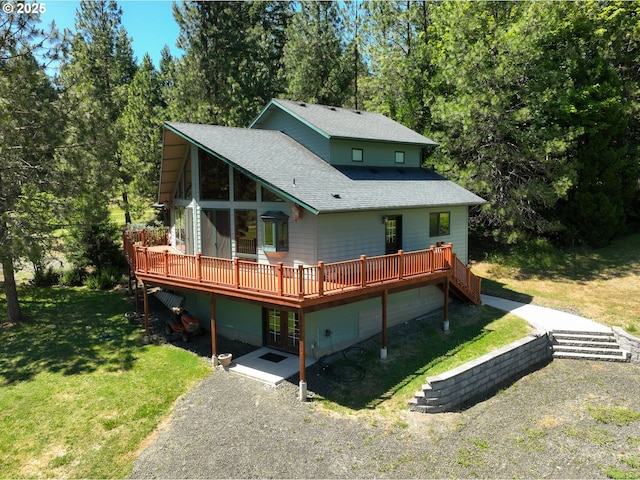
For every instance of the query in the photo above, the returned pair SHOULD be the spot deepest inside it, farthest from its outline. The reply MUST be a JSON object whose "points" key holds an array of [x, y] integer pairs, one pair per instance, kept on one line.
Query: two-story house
{"points": [[310, 230]]}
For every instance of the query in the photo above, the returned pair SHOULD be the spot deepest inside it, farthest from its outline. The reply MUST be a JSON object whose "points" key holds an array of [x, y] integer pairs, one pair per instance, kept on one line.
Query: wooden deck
{"points": [[154, 262]]}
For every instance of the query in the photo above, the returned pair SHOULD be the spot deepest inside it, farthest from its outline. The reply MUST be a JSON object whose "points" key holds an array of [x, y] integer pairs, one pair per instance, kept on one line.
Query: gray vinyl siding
{"points": [[302, 237], [358, 321], [344, 236], [285, 123], [376, 154], [459, 218]]}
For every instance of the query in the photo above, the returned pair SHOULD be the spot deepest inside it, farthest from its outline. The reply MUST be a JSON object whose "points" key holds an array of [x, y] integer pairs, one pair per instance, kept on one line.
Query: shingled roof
{"points": [[294, 172], [336, 122]]}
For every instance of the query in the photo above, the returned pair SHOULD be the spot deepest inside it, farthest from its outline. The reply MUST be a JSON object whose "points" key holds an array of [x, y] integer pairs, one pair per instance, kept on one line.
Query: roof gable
{"points": [[337, 122]]}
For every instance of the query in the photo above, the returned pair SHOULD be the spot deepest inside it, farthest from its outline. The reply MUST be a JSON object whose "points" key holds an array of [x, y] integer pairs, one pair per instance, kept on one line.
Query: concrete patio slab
{"points": [[253, 365]]}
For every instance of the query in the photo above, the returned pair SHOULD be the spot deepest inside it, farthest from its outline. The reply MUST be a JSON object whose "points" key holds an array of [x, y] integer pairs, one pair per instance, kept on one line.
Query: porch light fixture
{"points": [[296, 212]]}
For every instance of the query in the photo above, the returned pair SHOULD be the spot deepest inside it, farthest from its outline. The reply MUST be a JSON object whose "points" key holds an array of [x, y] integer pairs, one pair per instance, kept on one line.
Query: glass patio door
{"points": [[281, 329]]}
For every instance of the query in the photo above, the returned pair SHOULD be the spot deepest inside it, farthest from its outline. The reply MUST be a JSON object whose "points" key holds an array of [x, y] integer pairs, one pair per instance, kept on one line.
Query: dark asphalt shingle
{"points": [[279, 161]]}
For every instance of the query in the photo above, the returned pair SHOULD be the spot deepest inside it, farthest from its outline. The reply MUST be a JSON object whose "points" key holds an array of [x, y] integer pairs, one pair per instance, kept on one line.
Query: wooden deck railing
{"points": [[285, 281]]}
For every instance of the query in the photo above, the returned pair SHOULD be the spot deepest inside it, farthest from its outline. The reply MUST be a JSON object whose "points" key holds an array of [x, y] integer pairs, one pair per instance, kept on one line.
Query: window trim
{"points": [[403, 157], [354, 156], [277, 223]]}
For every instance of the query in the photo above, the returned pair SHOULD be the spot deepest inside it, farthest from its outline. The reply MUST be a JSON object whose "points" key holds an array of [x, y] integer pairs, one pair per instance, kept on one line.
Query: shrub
{"points": [[104, 279], [74, 277], [46, 277]]}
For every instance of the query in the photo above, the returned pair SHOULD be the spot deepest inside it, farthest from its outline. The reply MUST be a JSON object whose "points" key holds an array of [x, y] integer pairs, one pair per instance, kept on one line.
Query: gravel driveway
{"points": [[541, 426]]}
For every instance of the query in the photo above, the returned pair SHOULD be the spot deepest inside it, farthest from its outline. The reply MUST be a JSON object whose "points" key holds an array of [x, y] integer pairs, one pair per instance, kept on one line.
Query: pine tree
{"points": [[315, 65], [141, 144], [29, 133], [231, 63], [96, 74]]}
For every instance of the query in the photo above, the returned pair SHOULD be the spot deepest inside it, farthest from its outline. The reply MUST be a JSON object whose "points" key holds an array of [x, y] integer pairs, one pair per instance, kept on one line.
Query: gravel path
{"points": [[541, 426]]}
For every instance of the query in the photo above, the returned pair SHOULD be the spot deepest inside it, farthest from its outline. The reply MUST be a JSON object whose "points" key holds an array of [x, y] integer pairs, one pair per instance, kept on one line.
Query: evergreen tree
{"points": [[316, 67], [231, 63], [528, 109], [141, 143], [96, 75], [396, 43], [29, 134]]}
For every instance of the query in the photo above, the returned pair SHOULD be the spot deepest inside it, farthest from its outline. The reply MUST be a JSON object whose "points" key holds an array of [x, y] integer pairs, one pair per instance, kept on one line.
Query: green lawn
{"points": [[600, 284], [412, 356], [79, 393]]}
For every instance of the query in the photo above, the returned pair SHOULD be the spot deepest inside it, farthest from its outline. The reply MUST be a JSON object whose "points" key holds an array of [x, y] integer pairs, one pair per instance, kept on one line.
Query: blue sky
{"points": [[149, 23]]}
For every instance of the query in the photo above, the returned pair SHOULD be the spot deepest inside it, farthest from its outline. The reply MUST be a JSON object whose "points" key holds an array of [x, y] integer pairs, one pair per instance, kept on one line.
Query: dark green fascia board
{"points": [[275, 103], [392, 142], [244, 171]]}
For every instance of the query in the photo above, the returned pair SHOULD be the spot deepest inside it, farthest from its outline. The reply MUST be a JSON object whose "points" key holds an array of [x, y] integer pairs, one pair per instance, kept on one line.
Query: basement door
{"points": [[281, 330], [393, 234]]}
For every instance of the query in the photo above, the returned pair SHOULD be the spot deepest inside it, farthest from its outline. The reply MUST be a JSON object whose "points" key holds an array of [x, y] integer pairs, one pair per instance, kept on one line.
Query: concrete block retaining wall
{"points": [[629, 343], [449, 390]]}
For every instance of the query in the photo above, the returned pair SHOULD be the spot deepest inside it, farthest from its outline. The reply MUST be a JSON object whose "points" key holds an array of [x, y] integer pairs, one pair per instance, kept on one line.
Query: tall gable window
{"points": [[183, 229], [244, 188], [214, 177], [439, 224], [399, 157], [183, 189], [269, 196], [245, 221], [357, 155]]}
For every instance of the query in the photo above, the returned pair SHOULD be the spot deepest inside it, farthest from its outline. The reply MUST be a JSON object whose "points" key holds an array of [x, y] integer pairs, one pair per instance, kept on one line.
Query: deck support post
{"points": [[145, 295], [214, 345], [135, 291], [302, 396], [383, 348], [129, 286], [446, 305]]}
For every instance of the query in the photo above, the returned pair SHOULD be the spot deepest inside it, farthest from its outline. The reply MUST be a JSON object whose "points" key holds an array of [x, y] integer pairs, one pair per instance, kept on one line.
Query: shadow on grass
{"points": [[540, 259], [416, 349], [68, 331], [498, 289]]}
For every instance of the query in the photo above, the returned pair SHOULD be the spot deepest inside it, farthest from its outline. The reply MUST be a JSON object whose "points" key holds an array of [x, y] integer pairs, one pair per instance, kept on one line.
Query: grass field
{"points": [[601, 284], [79, 393]]}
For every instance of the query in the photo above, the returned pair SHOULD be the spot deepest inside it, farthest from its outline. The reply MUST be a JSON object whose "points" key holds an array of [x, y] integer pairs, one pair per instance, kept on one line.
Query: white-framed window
{"points": [[357, 155], [399, 157]]}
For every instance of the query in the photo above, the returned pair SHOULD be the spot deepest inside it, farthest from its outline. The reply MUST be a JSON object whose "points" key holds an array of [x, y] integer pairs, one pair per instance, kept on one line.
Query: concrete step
{"points": [[587, 346], [589, 349], [622, 357], [584, 336], [608, 345], [606, 332]]}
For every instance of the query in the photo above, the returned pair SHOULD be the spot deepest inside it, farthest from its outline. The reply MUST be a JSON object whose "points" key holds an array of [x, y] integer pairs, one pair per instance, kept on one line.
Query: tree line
{"points": [[534, 104]]}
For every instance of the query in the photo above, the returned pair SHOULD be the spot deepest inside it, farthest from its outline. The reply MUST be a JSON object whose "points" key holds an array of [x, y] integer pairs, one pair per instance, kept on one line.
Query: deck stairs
{"points": [[587, 346]]}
